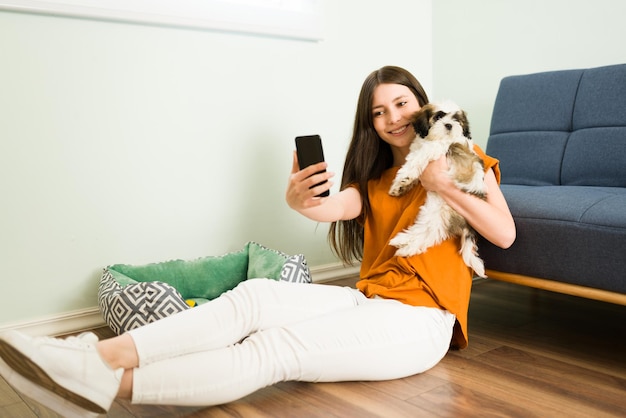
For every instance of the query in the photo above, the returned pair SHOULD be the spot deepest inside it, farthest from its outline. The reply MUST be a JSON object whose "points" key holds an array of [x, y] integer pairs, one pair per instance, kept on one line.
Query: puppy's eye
{"points": [[439, 115]]}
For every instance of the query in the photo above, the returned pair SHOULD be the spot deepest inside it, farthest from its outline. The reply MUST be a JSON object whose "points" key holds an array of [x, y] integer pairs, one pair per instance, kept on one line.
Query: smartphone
{"points": [[309, 150]]}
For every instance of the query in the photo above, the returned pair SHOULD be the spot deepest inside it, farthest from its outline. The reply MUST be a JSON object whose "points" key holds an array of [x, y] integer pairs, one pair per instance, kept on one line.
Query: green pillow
{"points": [[264, 262], [206, 277]]}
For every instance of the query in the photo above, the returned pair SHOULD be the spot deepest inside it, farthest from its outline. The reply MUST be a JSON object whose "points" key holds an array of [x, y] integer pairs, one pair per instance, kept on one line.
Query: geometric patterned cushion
{"points": [[135, 305], [295, 270], [126, 303]]}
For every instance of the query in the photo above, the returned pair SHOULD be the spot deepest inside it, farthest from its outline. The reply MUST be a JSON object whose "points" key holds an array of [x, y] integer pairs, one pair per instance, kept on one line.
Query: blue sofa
{"points": [[561, 139]]}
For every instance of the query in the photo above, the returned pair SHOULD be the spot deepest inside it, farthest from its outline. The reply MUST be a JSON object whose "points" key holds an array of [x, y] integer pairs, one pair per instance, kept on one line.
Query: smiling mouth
{"points": [[399, 130]]}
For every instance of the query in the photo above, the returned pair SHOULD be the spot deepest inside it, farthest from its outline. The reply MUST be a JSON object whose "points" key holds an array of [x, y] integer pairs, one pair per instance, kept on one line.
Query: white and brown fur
{"points": [[442, 129]]}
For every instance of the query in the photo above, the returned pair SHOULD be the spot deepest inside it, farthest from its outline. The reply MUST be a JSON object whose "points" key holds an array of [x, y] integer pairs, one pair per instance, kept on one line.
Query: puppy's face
{"points": [[440, 120]]}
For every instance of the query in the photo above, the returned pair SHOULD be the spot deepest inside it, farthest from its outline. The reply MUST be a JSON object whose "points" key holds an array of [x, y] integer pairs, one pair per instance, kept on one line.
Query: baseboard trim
{"points": [[334, 271], [65, 323], [89, 318]]}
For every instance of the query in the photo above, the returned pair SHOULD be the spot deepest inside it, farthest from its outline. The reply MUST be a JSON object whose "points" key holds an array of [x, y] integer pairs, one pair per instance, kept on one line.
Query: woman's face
{"points": [[392, 107]]}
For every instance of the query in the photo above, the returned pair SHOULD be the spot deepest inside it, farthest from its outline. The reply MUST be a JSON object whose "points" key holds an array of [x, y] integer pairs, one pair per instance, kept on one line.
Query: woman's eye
{"points": [[377, 114], [402, 104]]}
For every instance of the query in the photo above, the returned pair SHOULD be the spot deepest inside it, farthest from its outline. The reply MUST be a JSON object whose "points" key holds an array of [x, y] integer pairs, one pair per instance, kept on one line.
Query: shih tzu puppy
{"points": [[442, 129]]}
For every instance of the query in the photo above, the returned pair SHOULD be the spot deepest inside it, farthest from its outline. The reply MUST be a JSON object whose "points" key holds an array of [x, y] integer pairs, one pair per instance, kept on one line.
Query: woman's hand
{"points": [[300, 191], [299, 196], [435, 176]]}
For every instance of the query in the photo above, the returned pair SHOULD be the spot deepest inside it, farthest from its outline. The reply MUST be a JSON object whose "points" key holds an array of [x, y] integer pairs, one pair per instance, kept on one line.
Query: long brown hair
{"points": [[368, 156]]}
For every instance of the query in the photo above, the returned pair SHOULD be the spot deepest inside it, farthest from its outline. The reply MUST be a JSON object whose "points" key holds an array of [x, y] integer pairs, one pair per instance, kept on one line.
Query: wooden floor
{"points": [[532, 353]]}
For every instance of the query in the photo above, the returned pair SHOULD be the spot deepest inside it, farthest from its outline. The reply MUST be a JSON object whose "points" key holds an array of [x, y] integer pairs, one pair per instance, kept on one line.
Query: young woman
{"points": [[402, 319]]}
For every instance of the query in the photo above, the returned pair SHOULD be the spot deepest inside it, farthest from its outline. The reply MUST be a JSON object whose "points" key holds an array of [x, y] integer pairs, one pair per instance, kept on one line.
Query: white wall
{"points": [[477, 42], [124, 143]]}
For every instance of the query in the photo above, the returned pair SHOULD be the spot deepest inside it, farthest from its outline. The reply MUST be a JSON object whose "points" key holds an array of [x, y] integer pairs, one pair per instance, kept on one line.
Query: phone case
{"points": [[310, 151]]}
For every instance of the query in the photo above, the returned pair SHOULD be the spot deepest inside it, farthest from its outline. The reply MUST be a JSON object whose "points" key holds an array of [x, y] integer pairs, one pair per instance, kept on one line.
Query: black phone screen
{"points": [[309, 150]]}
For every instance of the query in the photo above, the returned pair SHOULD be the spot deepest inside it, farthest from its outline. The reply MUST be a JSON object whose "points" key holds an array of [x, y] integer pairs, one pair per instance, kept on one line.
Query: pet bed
{"points": [[132, 296]]}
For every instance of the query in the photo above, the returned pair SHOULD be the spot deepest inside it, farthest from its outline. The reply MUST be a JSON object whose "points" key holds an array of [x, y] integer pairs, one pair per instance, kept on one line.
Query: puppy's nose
{"points": [[448, 126]]}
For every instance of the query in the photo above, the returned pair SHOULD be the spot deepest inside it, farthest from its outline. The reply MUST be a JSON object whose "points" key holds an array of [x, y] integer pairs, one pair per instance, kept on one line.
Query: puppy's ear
{"points": [[462, 117], [421, 121]]}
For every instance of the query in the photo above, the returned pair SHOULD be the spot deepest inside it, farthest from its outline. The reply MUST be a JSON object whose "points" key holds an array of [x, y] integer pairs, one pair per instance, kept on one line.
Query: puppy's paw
{"points": [[400, 240], [407, 245], [476, 264], [409, 250], [403, 252], [396, 191], [400, 187]]}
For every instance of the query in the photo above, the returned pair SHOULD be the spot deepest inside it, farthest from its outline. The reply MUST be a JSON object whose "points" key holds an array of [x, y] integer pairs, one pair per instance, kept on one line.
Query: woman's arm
{"points": [[491, 218], [300, 197]]}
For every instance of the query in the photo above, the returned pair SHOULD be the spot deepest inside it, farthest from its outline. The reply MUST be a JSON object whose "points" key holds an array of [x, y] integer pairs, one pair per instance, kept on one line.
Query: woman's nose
{"points": [[394, 116]]}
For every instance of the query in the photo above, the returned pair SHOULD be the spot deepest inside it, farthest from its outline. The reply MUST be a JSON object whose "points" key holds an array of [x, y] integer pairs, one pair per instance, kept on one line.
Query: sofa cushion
{"points": [[600, 164], [596, 206], [596, 151], [537, 102], [542, 151], [565, 233], [601, 98], [532, 117]]}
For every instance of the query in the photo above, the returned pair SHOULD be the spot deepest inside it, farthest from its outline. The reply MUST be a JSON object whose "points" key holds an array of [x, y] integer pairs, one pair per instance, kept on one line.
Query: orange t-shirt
{"points": [[436, 278]]}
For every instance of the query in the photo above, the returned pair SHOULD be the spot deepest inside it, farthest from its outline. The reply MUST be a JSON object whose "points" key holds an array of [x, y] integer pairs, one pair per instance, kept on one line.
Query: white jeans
{"points": [[265, 331]]}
